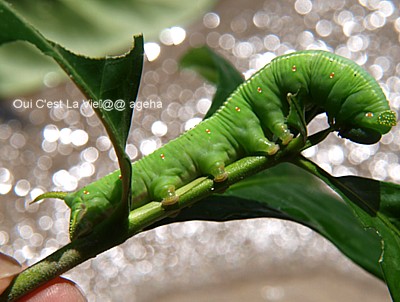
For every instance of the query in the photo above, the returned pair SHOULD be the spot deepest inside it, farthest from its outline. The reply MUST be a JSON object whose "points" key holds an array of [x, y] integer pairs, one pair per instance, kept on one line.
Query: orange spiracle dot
{"points": [[259, 90], [237, 109], [208, 131], [86, 192], [369, 114], [294, 68], [162, 156], [331, 75], [120, 176]]}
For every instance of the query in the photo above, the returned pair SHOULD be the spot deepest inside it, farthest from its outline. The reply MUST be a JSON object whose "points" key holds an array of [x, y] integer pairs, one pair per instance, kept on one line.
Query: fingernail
{"points": [[8, 266]]}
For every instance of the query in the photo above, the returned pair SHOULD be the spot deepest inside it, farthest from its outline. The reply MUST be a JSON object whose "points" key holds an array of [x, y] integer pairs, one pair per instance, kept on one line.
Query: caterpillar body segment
{"points": [[251, 121]]}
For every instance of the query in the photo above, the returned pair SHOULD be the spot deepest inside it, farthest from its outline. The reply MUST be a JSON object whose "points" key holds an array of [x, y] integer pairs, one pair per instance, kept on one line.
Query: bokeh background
{"points": [[255, 260]]}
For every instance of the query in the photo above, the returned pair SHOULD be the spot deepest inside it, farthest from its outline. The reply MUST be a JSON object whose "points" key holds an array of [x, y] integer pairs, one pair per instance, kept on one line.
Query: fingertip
{"points": [[57, 290], [9, 267]]}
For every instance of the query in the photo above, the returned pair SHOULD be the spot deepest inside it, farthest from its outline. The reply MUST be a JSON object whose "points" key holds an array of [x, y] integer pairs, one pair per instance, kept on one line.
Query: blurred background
{"points": [[65, 148]]}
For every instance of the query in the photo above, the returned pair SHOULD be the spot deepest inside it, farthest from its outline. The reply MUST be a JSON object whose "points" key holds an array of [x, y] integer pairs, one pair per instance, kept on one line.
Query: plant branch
{"points": [[113, 232]]}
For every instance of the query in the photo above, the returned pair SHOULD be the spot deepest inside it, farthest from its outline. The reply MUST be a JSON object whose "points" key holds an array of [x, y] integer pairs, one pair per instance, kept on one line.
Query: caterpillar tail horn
{"points": [[54, 194]]}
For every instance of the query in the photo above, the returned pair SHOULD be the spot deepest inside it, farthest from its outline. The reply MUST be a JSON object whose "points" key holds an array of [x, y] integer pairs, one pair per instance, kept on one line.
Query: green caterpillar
{"points": [[251, 121]]}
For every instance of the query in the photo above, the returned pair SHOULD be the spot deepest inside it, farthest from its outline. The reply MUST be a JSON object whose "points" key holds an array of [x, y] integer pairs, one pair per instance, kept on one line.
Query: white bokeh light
{"points": [[173, 36], [152, 50]]}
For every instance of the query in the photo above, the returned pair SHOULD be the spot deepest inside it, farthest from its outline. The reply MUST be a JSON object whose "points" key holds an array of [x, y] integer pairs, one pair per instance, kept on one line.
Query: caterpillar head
{"points": [[368, 127]]}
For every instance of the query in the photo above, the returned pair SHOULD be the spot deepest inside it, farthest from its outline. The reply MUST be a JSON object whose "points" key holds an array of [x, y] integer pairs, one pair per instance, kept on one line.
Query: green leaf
{"points": [[109, 22], [110, 80], [290, 193], [377, 206], [90, 27], [23, 68], [216, 70], [287, 193]]}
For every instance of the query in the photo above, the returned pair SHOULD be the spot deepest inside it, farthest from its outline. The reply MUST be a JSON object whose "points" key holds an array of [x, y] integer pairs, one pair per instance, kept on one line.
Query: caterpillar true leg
{"points": [[254, 140], [274, 121]]}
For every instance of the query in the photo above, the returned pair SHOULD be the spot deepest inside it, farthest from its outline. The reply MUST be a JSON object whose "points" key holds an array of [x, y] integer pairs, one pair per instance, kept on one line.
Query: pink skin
{"points": [[56, 290]]}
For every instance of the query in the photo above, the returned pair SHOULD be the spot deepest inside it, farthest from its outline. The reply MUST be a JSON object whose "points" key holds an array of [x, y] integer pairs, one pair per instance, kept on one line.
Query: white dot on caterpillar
{"points": [[369, 114], [294, 68], [331, 75], [162, 156], [237, 109], [259, 90], [120, 176]]}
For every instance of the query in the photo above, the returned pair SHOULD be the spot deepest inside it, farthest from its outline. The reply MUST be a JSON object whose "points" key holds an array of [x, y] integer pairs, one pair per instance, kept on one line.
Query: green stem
{"points": [[114, 231]]}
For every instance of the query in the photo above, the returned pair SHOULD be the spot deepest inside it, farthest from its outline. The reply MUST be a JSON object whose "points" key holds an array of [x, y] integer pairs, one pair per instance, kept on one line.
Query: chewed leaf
{"points": [[376, 205], [22, 69], [111, 83]]}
